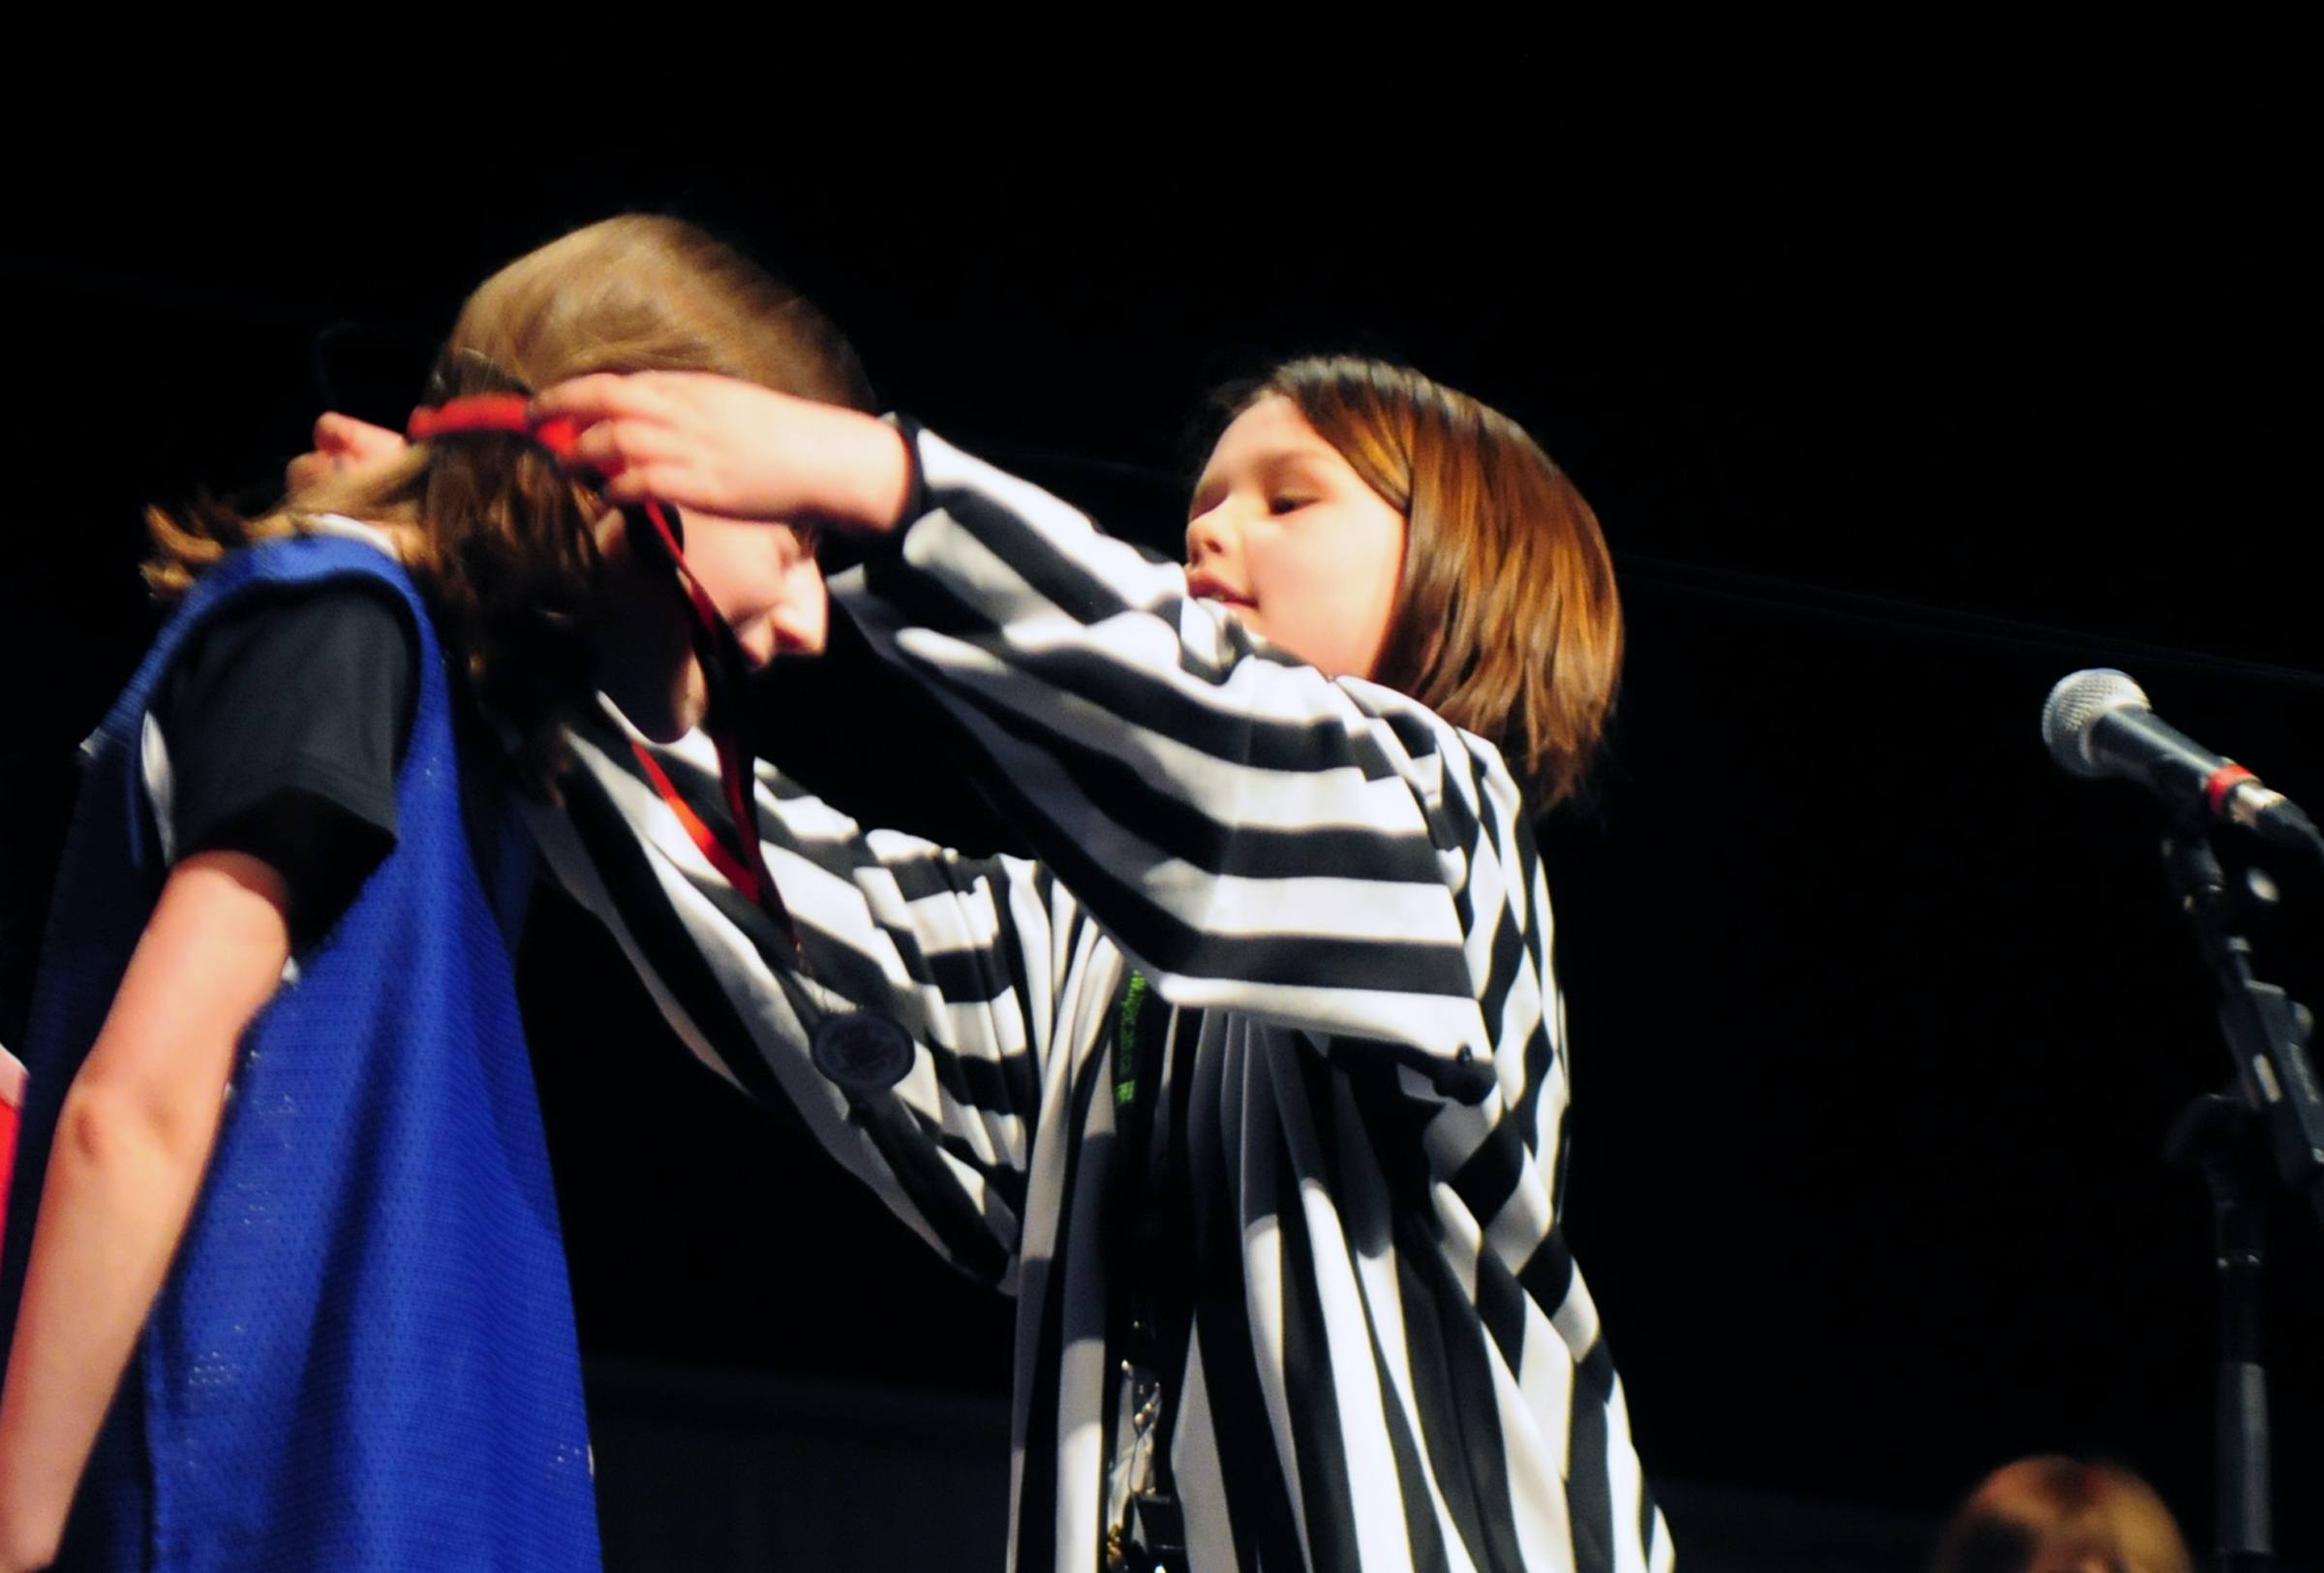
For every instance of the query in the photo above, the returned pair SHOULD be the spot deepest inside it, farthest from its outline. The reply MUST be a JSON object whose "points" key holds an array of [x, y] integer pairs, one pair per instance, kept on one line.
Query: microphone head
{"points": [[2075, 705]]}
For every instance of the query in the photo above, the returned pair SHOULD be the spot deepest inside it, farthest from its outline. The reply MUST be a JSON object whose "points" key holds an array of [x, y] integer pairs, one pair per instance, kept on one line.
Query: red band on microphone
{"points": [[2223, 780]]}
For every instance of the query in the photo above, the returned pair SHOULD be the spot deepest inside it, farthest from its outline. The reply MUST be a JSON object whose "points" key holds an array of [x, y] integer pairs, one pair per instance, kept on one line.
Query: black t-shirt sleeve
{"points": [[286, 722]]}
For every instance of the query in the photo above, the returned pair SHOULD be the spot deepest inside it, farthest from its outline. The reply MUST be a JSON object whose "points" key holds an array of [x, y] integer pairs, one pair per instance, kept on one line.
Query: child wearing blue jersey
{"points": [[282, 1287]]}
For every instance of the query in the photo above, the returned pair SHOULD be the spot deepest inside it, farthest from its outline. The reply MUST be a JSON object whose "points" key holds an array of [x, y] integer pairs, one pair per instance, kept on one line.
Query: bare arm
{"points": [[132, 1139], [734, 448]]}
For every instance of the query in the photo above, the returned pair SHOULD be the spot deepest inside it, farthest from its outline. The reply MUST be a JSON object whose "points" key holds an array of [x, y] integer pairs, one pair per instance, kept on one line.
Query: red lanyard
{"points": [[745, 864], [507, 412], [742, 862]]}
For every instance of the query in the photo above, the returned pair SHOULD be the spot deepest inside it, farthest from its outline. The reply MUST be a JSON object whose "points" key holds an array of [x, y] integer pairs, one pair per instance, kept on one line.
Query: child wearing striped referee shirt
{"points": [[1250, 1087]]}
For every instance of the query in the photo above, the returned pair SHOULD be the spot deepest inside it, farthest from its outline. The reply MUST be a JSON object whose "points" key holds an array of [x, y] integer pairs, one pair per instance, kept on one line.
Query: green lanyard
{"points": [[1125, 1041], [1149, 1303]]}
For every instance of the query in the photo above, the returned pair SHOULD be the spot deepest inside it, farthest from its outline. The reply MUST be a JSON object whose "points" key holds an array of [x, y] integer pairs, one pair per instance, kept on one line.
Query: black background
{"points": [[1897, 405]]}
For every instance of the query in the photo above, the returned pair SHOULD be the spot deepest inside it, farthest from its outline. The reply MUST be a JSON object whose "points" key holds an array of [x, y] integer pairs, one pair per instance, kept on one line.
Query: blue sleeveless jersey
{"points": [[364, 1355]]}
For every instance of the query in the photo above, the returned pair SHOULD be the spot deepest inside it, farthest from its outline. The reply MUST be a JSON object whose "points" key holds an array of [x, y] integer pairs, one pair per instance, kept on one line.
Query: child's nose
{"points": [[799, 627], [1206, 535]]}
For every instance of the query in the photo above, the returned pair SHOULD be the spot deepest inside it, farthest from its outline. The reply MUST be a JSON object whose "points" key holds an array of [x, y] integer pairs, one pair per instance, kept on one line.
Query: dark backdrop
{"points": [[1895, 412]]}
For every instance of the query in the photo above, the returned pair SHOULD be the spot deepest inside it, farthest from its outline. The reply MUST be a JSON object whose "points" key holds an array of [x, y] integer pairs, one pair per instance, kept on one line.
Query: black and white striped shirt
{"points": [[1393, 1361]]}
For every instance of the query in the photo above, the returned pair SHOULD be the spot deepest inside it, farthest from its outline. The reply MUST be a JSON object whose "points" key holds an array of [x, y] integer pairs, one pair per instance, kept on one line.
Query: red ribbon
{"points": [[743, 863], [509, 413]]}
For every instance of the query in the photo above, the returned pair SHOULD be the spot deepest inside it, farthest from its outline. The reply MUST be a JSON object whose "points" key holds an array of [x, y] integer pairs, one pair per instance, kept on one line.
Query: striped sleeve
{"points": [[1261, 837], [989, 966]]}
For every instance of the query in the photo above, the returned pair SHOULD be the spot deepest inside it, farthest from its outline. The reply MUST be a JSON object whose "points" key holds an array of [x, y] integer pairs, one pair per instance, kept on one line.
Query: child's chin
{"points": [[664, 711]]}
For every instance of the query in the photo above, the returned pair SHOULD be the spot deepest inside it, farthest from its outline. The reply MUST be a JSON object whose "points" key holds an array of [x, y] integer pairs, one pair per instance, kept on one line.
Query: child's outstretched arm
{"points": [[133, 1138], [1324, 853], [734, 448], [997, 977]]}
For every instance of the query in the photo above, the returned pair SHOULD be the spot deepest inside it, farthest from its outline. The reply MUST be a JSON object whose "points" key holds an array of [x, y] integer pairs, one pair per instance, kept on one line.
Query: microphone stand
{"points": [[2274, 1110]]}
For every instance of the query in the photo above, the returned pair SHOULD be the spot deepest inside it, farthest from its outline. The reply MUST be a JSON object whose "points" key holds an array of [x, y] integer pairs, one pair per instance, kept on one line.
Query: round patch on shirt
{"points": [[861, 1050]]}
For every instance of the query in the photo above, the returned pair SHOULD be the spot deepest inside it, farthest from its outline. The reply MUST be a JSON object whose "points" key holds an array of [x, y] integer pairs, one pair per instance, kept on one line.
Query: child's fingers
{"points": [[626, 486], [661, 481], [683, 437], [601, 397], [612, 447]]}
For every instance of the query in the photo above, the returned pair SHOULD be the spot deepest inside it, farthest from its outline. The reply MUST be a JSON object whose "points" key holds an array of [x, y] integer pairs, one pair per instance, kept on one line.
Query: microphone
{"points": [[2099, 723]]}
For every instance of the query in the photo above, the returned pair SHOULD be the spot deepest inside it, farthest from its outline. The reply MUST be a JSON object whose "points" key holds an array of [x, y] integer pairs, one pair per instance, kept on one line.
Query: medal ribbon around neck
{"points": [[864, 1052], [740, 857]]}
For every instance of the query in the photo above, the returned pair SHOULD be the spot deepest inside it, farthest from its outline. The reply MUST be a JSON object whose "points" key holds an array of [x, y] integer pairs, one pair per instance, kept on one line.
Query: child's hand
{"points": [[341, 443], [733, 449]]}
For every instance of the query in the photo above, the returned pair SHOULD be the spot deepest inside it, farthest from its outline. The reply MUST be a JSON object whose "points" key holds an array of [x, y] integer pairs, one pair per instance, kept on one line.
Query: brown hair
{"points": [[1507, 622], [505, 551], [2061, 1515]]}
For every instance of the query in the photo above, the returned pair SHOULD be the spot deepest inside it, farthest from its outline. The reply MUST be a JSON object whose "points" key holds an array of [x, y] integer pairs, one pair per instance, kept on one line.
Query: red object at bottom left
{"points": [[12, 1100]]}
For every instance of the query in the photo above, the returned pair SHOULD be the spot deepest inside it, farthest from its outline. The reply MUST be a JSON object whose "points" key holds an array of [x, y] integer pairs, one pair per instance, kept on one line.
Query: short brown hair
{"points": [[1507, 622], [2061, 1515], [509, 559]]}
